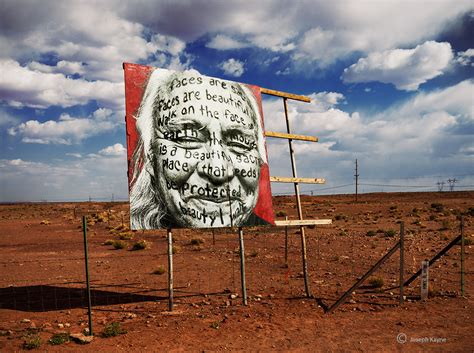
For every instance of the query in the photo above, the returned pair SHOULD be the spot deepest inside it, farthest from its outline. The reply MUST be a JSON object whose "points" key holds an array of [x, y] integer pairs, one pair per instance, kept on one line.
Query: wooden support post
{"points": [[285, 95], [298, 202], [462, 256], [282, 135], [402, 259], [242, 266], [278, 179], [86, 259], [170, 271]]}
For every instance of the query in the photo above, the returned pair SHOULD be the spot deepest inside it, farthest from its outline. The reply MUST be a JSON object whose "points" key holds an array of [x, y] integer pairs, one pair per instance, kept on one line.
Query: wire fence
{"points": [[43, 263]]}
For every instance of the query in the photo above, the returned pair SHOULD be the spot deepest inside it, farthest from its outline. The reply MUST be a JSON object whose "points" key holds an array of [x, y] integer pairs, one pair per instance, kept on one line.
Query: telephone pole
{"points": [[357, 179]]}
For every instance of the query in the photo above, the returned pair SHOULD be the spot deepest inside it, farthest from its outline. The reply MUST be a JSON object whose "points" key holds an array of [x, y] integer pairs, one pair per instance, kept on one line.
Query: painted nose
{"points": [[217, 167]]}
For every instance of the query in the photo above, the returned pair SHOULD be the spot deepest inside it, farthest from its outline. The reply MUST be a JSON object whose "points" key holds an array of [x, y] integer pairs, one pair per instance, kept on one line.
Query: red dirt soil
{"points": [[42, 282]]}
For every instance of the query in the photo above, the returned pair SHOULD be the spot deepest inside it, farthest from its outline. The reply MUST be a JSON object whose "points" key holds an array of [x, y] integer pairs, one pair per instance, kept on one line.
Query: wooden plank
{"points": [[302, 222], [276, 179], [285, 95], [291, 136]]}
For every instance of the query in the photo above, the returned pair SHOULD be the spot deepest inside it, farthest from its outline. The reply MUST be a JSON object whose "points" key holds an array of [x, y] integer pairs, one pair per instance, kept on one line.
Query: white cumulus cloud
{"points": [[223, 42], [407, 69], [465, 58], [65, 131], [233, 67], [114, 150], [21, 86]]}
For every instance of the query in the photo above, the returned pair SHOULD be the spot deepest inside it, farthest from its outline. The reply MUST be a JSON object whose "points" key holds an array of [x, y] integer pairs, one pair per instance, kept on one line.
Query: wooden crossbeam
{"points": [[291, 136], [302, 222], [285, 95], [277, 179]]}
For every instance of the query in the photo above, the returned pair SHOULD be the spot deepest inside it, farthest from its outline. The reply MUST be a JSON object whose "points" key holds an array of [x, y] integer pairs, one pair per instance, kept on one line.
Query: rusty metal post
{"points": [[402, 259], [286, 243], [298, 203], [170, 271], [242, 266], [86, 259], [462, 257]]}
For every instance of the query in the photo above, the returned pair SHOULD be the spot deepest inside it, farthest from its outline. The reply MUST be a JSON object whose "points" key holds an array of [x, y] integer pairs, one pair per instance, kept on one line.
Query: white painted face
{"points": [[207, 164]]}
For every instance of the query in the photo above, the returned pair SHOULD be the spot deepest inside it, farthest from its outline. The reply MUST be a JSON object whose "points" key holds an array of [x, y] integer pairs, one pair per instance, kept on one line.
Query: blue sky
{"points": [[391, 84]]}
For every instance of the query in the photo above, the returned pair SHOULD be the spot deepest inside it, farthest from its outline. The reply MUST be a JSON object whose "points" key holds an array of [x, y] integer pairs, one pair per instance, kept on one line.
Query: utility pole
{"points": [[440, 185], [357, 179], [451, 183]]}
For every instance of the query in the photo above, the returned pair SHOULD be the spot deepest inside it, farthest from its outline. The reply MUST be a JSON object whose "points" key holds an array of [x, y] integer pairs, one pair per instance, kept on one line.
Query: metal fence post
{"points": [[462, 256], [89, 304], [170, 271], [286, 243], [402, 259], [242, 266]]}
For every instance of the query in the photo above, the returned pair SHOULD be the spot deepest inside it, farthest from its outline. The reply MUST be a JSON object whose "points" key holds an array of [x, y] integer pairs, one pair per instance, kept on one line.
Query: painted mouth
{"points": [[219, 200]]}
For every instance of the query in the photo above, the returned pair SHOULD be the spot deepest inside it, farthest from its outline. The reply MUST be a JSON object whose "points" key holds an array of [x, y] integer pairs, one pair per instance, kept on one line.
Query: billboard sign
{"points": [[196, 151]]}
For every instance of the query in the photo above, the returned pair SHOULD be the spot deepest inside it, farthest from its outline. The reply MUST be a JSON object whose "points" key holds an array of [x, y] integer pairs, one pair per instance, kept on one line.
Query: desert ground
{"points": [[43, 282]]}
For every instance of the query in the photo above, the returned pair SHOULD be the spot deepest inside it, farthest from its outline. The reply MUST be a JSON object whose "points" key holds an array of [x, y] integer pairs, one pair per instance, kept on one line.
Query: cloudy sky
{"points": [[391, 84]]}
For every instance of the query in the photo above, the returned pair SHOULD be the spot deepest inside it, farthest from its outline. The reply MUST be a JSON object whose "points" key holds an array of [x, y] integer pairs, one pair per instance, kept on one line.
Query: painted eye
{"points": [[239, 147]]}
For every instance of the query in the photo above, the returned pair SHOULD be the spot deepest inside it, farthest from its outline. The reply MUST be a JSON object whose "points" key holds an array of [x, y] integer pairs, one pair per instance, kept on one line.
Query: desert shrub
{"points": [[438, 207], [141, 245], [281, 214], [254, 253], [393, 208], [371, 233], [376, 282], [196, 241], [176, 249], [444, 225], [215, 325], [109, 242], [470, 211], [125, 235], [59, 338], [31, 341], [113, 329], [160, 270], [467, 241], [390, 233], [432, 217], [119, 244], [338, 217]]}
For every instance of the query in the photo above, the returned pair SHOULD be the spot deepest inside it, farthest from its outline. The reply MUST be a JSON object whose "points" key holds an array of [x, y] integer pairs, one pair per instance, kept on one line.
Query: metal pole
{"points": [[402, 259], [89, 304], [436, 257], [462, 257], [286, 243], [363, 278], [242, 266], [298, 203], [170, 270]]}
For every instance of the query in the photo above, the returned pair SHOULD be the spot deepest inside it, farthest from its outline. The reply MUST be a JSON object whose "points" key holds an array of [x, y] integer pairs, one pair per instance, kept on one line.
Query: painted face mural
{"points": [[197, 156]]}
